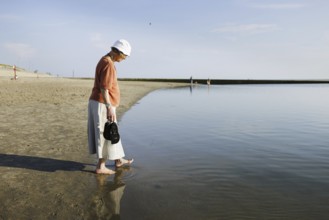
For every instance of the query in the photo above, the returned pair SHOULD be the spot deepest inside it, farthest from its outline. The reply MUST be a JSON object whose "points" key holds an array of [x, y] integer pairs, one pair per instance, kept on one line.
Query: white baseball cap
{"points": [[123, 46]]}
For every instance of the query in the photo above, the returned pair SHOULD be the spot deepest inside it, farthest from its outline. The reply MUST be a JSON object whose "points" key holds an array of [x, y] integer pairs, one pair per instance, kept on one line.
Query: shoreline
{"points": [[47, 172]]}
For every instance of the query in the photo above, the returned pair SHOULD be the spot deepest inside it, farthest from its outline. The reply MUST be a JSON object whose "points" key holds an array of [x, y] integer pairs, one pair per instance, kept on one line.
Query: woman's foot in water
{"points": [[102, 169], [121, 162]]}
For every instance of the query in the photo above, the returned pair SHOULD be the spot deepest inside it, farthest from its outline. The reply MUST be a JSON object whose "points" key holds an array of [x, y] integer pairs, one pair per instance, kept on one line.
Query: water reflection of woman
{"points": [[108, 197]]}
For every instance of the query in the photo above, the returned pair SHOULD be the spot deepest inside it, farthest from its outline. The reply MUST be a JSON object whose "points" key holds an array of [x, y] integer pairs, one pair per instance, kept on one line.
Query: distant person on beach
{"points": [[208, 82], [103, 101], [15, 75]]}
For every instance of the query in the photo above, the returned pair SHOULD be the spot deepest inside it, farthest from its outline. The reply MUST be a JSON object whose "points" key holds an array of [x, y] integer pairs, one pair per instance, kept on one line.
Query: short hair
{"points": [[115, 50]]}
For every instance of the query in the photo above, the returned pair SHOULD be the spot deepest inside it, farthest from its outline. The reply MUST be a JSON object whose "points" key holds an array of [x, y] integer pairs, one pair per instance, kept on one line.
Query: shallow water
{"points": [[228, 152]]}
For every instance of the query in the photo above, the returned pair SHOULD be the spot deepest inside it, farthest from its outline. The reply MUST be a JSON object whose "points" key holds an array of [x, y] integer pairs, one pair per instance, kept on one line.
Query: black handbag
{"points": [[111, 132]]}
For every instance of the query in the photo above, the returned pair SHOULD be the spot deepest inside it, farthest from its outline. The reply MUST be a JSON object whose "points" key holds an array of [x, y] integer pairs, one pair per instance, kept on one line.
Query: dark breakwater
{"points": [[230, 81]]}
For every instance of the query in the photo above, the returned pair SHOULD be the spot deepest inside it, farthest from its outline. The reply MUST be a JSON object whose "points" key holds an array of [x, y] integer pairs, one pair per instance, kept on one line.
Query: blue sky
{"points": [[229, 39]]}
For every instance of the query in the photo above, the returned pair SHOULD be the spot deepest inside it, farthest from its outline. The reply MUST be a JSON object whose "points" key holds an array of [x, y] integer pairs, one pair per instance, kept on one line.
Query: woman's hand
{"points": [[110, 114]]}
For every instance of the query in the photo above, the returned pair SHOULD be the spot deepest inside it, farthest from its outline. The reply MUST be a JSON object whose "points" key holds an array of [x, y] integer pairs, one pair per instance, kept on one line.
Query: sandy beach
{"points": [[46, 171]]}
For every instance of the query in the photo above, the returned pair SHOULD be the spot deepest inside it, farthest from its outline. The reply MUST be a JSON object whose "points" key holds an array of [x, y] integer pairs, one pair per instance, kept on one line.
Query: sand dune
{"points": [[9, 73]]}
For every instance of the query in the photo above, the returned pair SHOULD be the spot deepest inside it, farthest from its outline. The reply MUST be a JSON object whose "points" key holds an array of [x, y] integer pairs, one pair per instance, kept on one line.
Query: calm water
{"points": [[228, 152]]}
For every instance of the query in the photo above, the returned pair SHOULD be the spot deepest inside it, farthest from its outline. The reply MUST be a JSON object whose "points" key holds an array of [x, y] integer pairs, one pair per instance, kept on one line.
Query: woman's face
{"points": [[122, 56]]}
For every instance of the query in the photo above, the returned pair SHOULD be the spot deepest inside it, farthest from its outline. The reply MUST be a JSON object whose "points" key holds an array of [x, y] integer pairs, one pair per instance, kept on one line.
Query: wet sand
{"points": [[46, 171]]}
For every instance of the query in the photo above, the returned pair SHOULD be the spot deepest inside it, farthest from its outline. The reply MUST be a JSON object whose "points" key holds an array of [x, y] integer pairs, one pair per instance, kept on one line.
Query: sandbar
{"points": [[46, 171]]}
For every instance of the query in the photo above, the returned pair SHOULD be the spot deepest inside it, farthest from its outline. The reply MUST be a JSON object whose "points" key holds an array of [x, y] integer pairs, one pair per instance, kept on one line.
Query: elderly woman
{"points": [[103, 101]]}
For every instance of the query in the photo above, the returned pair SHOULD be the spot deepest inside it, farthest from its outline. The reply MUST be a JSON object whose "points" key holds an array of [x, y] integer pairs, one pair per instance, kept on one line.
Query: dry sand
{"points": [[46, 171]]}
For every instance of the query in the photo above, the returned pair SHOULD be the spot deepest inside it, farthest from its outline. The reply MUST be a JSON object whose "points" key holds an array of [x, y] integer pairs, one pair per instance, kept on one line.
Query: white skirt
{"points": [[97, 116]]}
